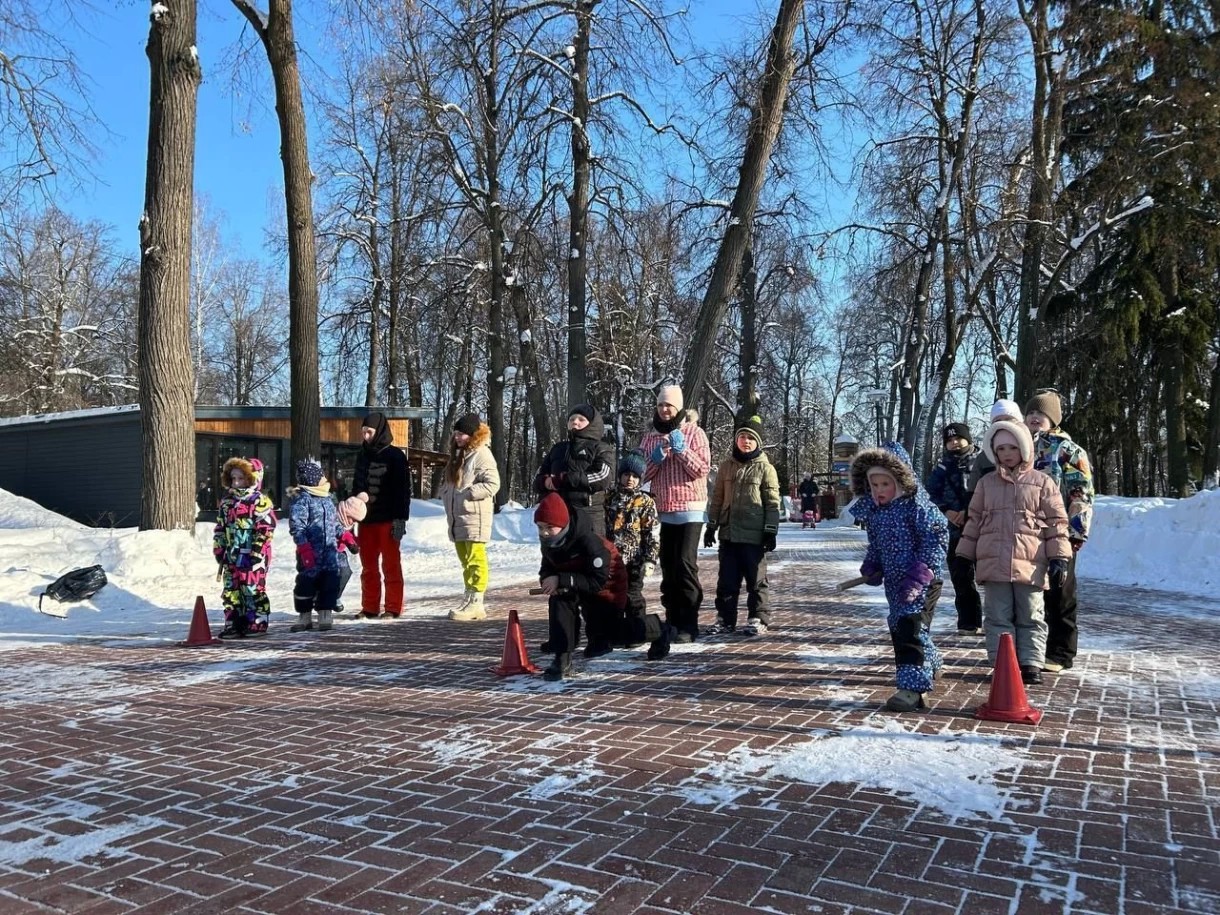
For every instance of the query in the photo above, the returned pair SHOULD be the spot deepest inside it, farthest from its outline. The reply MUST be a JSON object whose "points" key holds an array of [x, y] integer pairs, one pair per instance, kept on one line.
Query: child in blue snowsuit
{"points": [[314, 524], [907, 540]]}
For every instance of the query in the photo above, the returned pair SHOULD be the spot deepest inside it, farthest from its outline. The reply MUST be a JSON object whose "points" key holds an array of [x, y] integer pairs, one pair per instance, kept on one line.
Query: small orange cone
{"points": [[515, 659], [200, 635], [1007, 701]]}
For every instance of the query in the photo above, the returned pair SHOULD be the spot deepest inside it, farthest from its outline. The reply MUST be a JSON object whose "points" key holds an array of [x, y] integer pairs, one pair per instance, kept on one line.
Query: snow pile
{"points": [[951, 772], [155, 576], [1163, 544]]}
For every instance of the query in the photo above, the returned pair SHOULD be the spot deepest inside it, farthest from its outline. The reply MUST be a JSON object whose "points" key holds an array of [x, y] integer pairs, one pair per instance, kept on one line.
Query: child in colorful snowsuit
{"points": [[744, 508], [1065, 462], [907, 540], [313, 522], [631, 524], [241, 543], [1016, 534], [352, 511]]}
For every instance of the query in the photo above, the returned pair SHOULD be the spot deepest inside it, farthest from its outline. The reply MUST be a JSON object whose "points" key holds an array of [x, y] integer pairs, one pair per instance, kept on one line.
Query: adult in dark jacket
{"points": [[808, 491], [581, 469], [580, 571], [382, 472], [947, 487]]}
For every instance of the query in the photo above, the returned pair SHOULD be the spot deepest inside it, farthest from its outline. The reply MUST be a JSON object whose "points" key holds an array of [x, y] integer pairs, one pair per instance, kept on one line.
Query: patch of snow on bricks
{"points": [[563, 781], [562, 899], [37, 683], [947, 771], [104, 841]]}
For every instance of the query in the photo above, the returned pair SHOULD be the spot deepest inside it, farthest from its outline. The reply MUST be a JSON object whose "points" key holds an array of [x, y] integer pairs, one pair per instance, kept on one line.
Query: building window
{"points": [[211, 452]]}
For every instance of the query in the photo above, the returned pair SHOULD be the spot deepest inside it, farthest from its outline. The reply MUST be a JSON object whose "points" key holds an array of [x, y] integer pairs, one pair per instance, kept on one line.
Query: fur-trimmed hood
{"points": [[253, 469], [893, 459], [1020, 432]]}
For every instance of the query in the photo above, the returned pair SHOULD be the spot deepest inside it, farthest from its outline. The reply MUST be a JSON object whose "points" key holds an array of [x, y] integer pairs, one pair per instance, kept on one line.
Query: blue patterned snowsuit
{"points": [[908, 531]]}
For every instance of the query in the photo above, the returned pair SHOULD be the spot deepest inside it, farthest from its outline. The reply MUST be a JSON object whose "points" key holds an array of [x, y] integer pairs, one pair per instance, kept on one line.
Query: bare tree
{"points": [[167, 418], [275, 31]]}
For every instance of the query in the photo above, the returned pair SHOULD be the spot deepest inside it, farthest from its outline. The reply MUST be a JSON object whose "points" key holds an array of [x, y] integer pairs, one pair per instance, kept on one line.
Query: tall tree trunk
{"points": [[275, 31], [1211, 445], [765, 124], [531, 373], [747, 358], [1046, 118], [578, 208], [167, 383]]}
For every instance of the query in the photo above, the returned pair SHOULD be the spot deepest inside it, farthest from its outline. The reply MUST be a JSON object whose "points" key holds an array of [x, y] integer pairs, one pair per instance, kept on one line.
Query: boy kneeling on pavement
{"points": [[582, 572]]}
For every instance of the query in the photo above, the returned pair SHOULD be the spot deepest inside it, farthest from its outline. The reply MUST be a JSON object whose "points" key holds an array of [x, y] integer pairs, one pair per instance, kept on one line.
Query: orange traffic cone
{"points": [[1007, 701], [200, 635], [515, 659]]}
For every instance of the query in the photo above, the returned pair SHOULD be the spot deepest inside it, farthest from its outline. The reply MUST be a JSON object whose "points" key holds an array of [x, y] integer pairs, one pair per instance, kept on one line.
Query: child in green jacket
{"points": [[744, 508]]}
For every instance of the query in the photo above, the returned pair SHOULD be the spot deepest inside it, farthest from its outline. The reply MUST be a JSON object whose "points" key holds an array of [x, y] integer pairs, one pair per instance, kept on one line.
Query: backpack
{"points": [[79, 584]]}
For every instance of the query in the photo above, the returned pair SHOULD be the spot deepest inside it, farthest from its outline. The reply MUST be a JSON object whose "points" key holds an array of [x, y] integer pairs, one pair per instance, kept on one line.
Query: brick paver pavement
{"points": [[381, 768]]}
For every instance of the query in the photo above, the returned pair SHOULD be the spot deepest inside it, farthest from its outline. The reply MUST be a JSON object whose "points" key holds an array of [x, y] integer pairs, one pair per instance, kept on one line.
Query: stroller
{"points": [[810, 518]]}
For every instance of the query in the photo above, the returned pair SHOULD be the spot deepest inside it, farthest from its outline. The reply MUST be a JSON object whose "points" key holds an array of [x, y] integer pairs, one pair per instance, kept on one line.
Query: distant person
{"points": [[679, 459], [468, 493], [808, 491], [313, 521], [204, 497], [947, 488], [907, 539], [241, 543], [383, 475], [1065, 462], [744, 509], [581, 467], [1016, 534]]}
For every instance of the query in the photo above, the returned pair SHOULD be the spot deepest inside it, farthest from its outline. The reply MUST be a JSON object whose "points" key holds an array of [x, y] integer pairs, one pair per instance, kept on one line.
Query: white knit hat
{"points": [[1006, 408], [670, 394]]}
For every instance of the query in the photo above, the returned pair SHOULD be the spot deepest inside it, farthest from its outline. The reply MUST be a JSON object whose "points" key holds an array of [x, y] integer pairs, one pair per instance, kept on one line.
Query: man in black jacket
{"points": [[381, 472], [947, 487], [581, 469]]}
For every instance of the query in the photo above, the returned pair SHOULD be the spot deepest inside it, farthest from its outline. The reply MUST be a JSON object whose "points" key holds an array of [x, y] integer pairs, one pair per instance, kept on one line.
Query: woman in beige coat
{"points": [[469, 495], [1016, 534]]}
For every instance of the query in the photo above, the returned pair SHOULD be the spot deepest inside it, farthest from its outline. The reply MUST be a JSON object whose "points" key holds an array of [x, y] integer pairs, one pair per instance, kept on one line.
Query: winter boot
{"points": [[325, 620], [472, 610], [453, 614], [597, 649], [304, 622], [905, 700], [560, 667], [1031, 674], [658, 634]]}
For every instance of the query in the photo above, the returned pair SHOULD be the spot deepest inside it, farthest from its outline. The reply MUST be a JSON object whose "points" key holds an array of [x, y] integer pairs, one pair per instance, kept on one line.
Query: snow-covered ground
{"points": [[155, 576]]}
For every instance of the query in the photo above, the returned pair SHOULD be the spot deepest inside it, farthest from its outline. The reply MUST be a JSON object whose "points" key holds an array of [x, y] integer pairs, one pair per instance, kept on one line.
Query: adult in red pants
{"points": [[383, 473]]}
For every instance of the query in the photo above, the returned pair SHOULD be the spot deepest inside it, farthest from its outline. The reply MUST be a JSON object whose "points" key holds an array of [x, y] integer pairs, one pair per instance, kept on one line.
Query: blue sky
{"points": [[237, 152]]}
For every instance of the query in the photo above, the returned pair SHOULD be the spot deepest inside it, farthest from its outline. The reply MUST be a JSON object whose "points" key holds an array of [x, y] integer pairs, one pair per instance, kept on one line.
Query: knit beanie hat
{"points": [[353, 509], [1006, 408], [751, 426], [670, 394], [552, 510], [373, 421], [957, 430], [468, 424], [1004, 437], [586, 410], [1049, 405], [632, 462], [309, 472]]}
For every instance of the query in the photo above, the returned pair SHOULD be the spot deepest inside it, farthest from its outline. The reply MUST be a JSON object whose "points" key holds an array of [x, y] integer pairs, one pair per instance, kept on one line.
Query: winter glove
{"points": [[244, 561], [918, 577], [347, 541], [649, 568], [397, 528], [871, 572], [677, 441], [1058, 572], [305, 556], [768, 543], [709, 537], [658, 453]]}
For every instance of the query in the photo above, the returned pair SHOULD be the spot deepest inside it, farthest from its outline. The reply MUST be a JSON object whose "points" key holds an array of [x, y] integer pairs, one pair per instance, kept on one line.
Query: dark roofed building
{"points": [[86, 464]]}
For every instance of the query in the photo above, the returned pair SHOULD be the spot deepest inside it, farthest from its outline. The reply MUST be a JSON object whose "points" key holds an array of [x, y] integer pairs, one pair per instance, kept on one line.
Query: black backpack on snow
{"points": [[79, 584]]}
